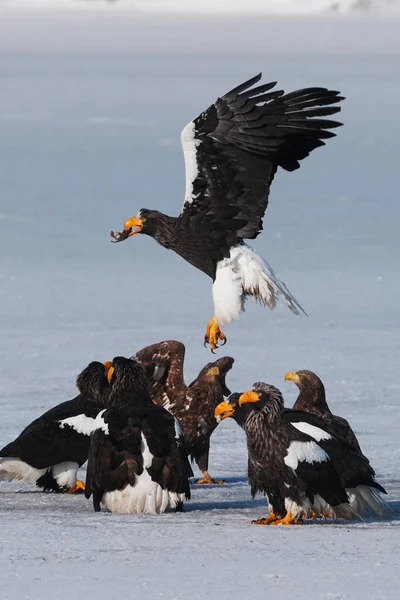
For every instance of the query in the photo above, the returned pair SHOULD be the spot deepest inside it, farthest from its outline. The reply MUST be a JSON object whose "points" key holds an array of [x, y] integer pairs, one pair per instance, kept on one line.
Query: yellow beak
{"points": [[292, 376], [134, 222], [224, 410], [248, 397], [109, 369]]}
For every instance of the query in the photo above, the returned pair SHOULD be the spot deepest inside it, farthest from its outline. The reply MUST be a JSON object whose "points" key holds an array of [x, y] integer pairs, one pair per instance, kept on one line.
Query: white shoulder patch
{"points": [[314, 432], [308, 452], [99, 422], [83, 424], [189, 145]]}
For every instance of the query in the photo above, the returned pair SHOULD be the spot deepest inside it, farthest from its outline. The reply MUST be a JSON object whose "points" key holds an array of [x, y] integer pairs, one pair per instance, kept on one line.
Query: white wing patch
{"points": [[189, 145], [85, 425], [308, 452], [245, 272], [99, 422], [314, 432]]}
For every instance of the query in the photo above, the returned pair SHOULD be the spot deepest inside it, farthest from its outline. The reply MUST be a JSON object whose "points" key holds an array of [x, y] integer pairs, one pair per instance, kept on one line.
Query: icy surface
{"points": [[285, 7], [91, 110]]}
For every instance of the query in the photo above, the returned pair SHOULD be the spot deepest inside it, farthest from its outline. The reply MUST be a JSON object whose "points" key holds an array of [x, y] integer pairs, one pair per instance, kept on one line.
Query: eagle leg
{"points": [[208, 479], [213, 335], [267, 520], [78, 488]]}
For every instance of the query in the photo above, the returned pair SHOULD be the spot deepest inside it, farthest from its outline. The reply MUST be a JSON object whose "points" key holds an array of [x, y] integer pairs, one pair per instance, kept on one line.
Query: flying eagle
{"points": [[193, 405], [232, 151], [312, 399], [137, 458], [297, 462], [51, 449]]}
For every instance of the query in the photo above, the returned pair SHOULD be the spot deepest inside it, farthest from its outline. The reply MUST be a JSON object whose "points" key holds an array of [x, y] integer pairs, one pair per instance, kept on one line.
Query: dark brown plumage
{"points": [[232, 152], [297, 462], [312, 399], [137, 459], [192, 405]]}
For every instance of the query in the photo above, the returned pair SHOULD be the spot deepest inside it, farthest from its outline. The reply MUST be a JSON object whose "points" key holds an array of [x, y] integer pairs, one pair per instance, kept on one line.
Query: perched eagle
{"points": [[312, 399], [137, 458], [52, 448], [297, 462], [192, 405], [232, 152]]}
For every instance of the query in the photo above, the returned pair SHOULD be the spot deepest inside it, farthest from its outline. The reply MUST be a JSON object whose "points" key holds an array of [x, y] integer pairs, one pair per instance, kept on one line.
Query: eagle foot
{"points": [[272, 519], [266, 520], [213, 335], [78, 488], [208, 479], [287, 520], [313, 514]]}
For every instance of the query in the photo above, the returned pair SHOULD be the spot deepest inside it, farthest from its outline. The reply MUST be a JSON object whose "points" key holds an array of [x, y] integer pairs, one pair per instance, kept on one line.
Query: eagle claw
{"points": [[214, 335]]}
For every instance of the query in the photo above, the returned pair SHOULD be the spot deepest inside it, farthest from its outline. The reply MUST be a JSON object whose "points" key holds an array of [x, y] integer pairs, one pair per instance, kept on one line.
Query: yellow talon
{"points": [[267, 520], [213, 335], [288, 520], [208, 479], [78, 488]]}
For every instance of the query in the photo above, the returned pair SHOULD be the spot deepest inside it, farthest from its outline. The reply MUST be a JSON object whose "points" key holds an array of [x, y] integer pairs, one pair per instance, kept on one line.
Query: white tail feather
{"points": [[364, 501], [15, 468], [368, 502], [146, 496], [243, 274]]}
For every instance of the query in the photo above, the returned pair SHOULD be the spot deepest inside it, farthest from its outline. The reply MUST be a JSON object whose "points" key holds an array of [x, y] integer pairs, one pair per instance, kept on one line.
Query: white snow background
{"points": [[91, 109]]}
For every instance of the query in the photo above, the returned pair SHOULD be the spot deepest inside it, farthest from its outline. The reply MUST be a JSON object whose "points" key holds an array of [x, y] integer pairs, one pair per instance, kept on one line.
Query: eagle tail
{"points": [[14, 468], [275, 289], [367, 501], [245, 273]]}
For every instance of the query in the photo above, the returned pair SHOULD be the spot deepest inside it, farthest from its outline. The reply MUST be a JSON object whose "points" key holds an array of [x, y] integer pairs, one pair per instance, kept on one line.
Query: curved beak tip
{"points": [[292, 376], [223, 411]]}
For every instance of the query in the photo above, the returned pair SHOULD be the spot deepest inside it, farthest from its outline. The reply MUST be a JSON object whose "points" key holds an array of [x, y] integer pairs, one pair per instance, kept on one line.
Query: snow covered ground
{"points": [[91, 109]]}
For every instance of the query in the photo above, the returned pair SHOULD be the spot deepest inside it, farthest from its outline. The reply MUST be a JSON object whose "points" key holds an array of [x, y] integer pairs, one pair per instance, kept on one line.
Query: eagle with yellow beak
{"points": [[232, 151]]}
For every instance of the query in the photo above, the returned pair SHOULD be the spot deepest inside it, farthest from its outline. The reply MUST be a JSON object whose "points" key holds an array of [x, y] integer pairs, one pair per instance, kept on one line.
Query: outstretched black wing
{"points": [[233, 149]]}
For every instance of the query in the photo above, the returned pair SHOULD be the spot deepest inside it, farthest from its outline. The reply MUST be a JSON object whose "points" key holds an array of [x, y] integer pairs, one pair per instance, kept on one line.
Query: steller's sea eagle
{"points": [[51, 449], [312, 399], [299, 463], [137, 457], [232, 152]]}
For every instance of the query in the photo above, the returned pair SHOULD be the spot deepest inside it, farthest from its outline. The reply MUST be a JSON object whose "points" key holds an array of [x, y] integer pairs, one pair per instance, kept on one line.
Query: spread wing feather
{"points": [[233, 149]]}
